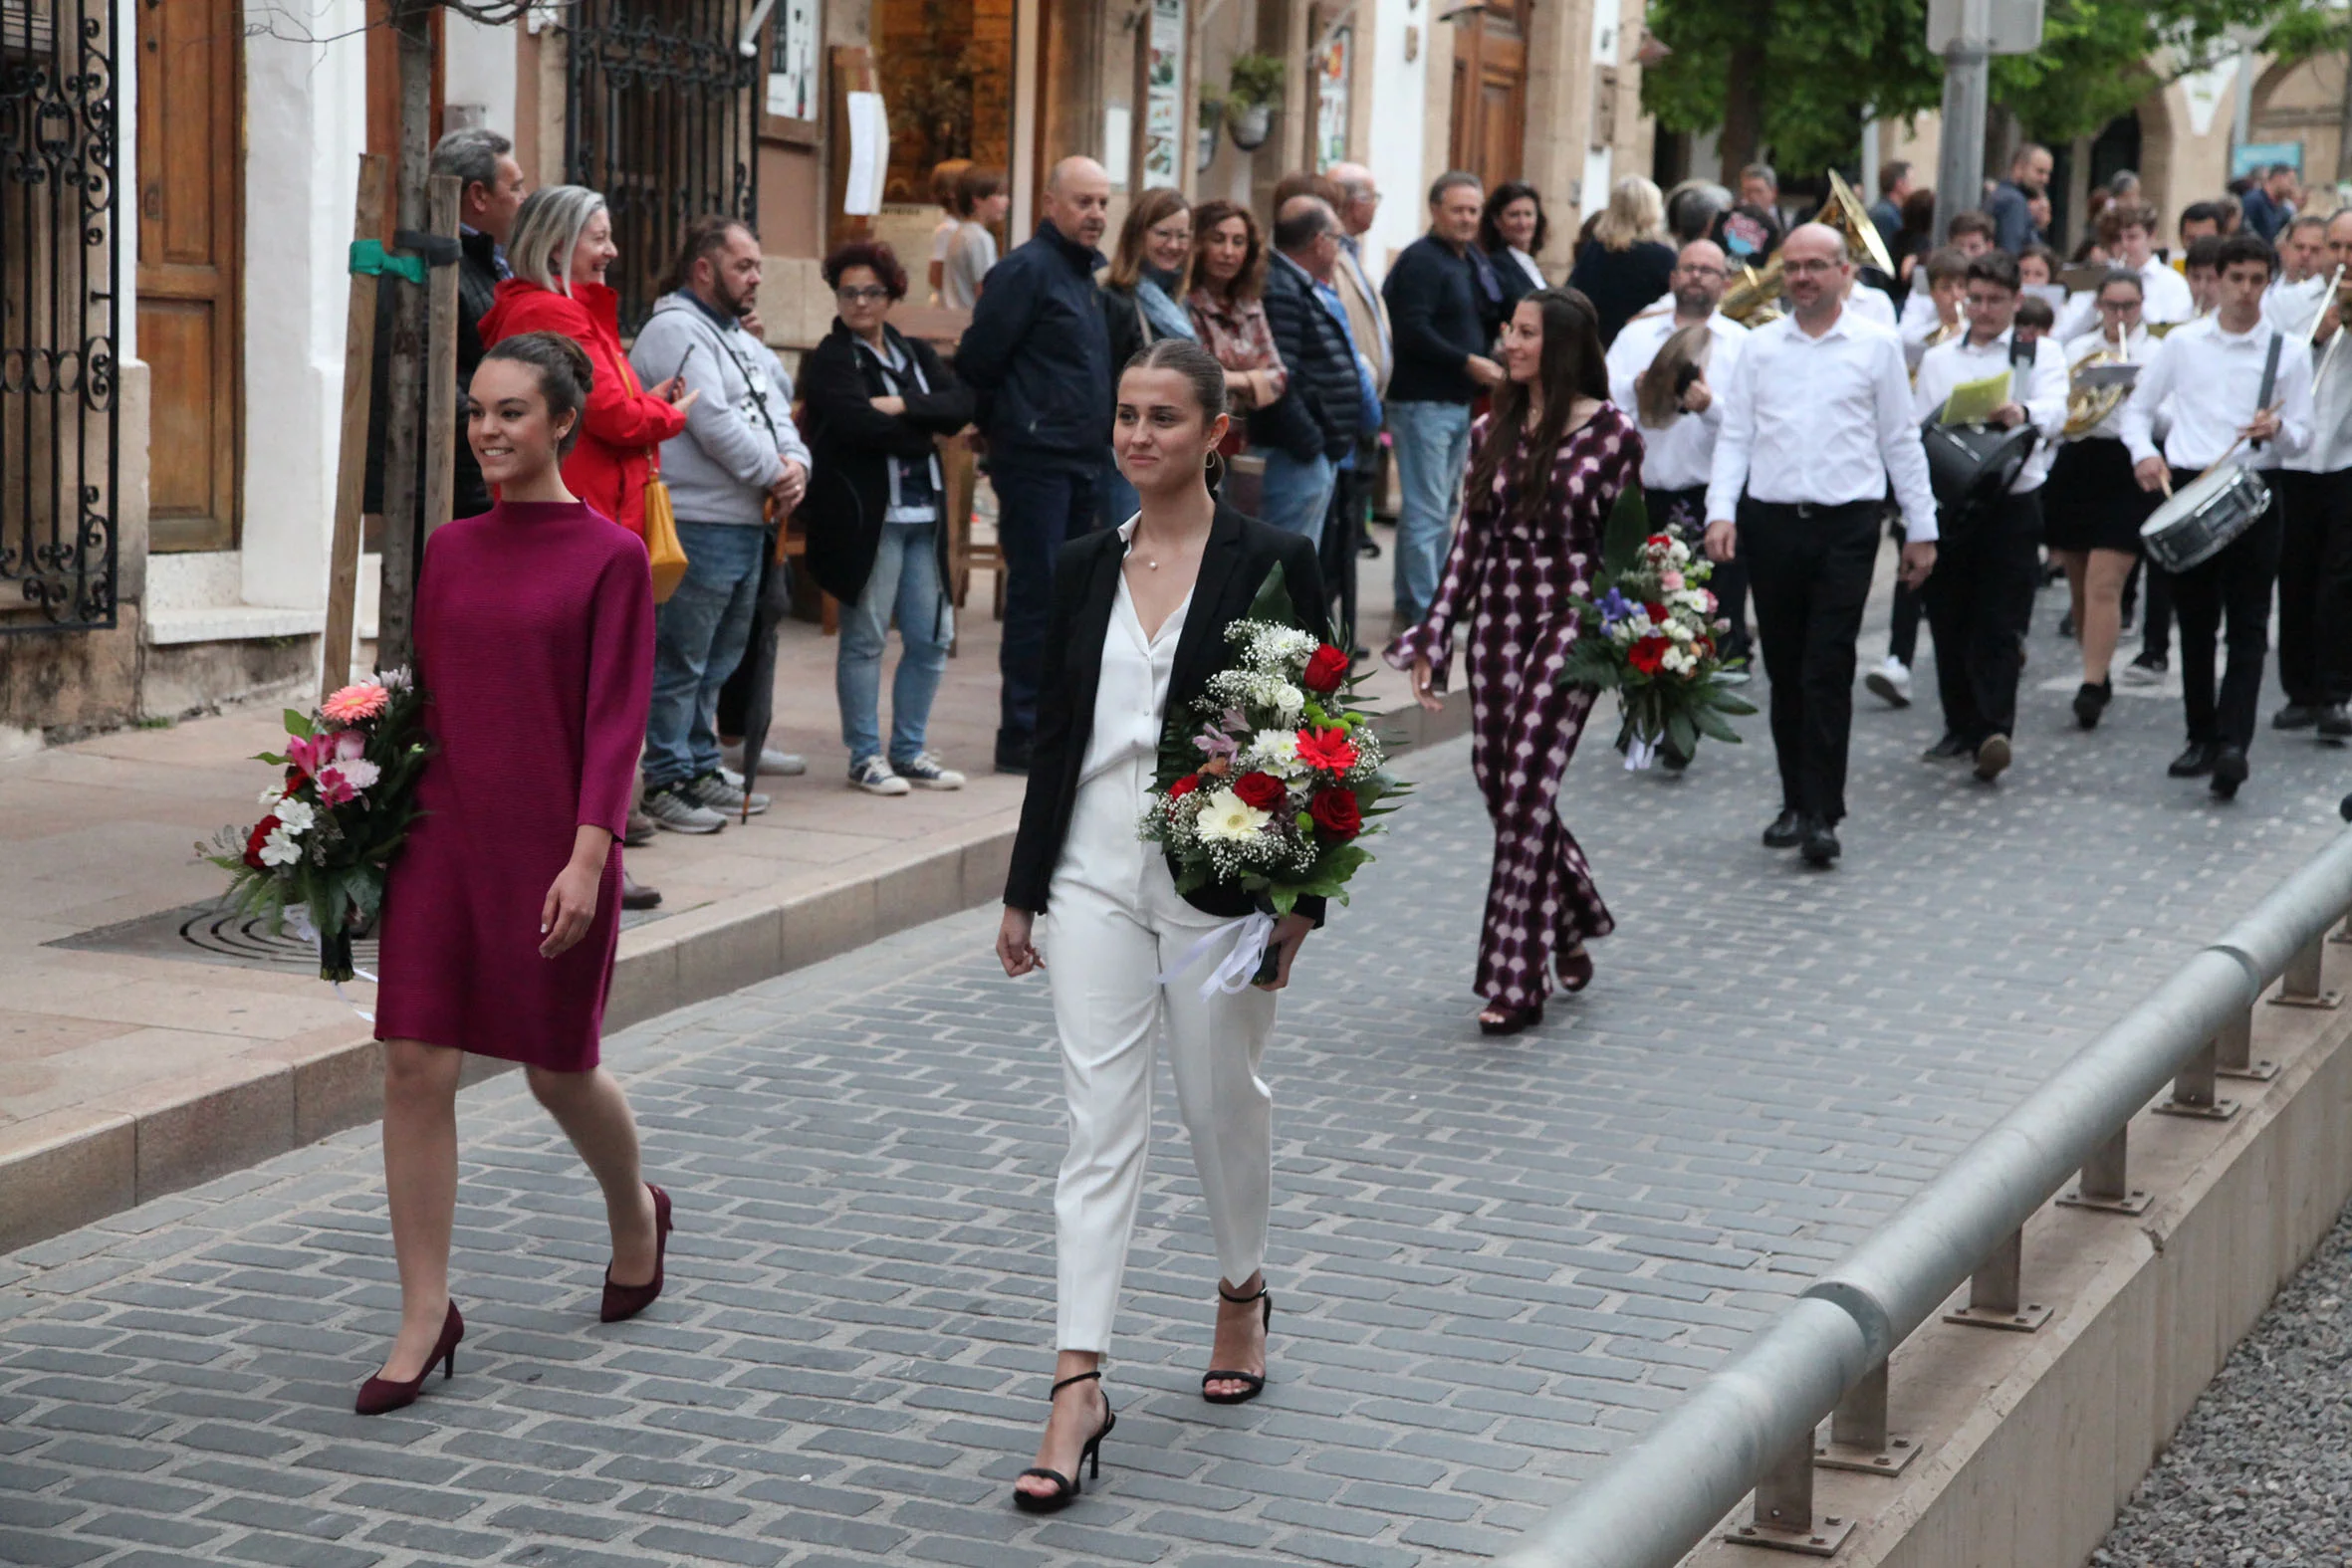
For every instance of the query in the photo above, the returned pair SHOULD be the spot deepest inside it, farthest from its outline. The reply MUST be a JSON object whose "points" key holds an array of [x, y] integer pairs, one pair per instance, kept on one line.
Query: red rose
{"points": [[1337, 811], [1325, 670], [252, 840], [1262, 791], [1647, 655], [1184, 786]]}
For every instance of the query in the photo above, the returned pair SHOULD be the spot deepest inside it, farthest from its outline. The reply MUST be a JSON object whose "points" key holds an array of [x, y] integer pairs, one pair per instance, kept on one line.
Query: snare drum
{"points": [[2202, 518]]}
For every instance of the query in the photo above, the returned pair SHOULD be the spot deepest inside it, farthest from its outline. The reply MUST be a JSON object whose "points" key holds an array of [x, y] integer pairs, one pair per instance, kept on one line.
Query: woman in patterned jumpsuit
{"points": [[1546, 469]]}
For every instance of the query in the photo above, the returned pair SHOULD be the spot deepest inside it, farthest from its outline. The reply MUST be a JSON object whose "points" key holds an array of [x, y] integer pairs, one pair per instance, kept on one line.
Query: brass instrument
{"points": [[2087, 408], [1658, 392], [1754, 299]]}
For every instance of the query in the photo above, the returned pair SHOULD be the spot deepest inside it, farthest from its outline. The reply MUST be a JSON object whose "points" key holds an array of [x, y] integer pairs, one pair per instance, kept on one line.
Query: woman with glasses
{"points": [[876, 514], [1141, 297], [2091, 508]]}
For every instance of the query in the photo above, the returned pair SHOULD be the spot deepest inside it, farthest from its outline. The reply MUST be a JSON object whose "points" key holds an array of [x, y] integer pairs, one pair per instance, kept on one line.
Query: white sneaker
{"points": [[773, 762], [874, 777], [676, 811], [1890, 682], [722, 792], [926, 771]]}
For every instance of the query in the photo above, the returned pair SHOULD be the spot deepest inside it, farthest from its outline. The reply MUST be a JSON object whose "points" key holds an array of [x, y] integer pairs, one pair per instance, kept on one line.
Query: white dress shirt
{"points": [[2043, 397], [2164, 295], [1526, 264], [1872, 305], [1681, 455], [2213, 380], [1823, 419], [2137, 346], [1919, 321], [2079, 315], [1131, 693], [2293, 306], [2331, 417]]}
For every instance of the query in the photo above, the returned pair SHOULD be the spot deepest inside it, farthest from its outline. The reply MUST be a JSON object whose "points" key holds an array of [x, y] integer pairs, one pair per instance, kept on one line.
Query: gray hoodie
{"points": [[739, 432]]}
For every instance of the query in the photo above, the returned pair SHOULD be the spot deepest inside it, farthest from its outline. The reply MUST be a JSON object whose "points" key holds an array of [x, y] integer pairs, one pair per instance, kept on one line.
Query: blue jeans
{"points": [[904, 581], [1038, 506], [698, 638], [1432, 442], [1296, 495]]}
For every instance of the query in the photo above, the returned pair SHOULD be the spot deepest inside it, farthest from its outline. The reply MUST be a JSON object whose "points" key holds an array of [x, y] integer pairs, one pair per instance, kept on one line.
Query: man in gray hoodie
{"points": [[738, 453]]}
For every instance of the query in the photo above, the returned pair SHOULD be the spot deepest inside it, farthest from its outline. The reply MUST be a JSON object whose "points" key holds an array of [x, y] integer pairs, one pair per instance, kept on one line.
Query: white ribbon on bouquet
{"points": [[298, 921], [1251, 932], [1639, 753]]}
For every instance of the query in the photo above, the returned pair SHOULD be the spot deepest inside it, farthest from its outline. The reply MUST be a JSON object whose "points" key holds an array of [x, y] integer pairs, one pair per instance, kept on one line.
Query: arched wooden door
{"points": [[1491, 90]]}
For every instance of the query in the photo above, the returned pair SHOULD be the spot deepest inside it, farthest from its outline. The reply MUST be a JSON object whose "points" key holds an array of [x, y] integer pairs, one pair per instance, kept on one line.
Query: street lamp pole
{"points": [[1960, 164]]}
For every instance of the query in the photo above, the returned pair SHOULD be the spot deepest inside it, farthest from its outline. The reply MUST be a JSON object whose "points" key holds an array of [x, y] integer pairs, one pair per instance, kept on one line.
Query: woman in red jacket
{"points": [[562, 242]]}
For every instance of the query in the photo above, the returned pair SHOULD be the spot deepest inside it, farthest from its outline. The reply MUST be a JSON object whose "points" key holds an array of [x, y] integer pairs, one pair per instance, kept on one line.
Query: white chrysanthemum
{"points": [[295, 816], [1275, 750], [1228, 818], [272, 795], [280, 849]]}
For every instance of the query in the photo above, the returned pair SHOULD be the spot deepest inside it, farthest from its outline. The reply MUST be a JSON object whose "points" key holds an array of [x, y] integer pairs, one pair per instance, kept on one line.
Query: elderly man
{"points": [[1313, 424], [1446, 305], [2012, 200], [1358, 295], [1817, 419], [2303, 267], [1038, 355], [1679, 456]]}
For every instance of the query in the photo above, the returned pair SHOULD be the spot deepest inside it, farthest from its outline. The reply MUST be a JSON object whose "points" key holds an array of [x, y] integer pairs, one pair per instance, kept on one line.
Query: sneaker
{"points": [[773, 762], [926, 771], [722, 792], [1890, 682], [676, 811], [2148, 669], [874, 777]]}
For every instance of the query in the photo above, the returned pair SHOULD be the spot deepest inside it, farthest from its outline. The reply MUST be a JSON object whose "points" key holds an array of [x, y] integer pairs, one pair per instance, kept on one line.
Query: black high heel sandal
{"points": [[1255, 1381], [1067, 1485]]}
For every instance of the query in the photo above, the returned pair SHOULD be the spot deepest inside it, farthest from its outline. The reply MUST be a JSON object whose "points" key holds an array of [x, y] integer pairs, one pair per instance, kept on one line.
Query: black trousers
{"points": [[1683, 512], [1809, 568], [1980, 592], [2316, 586], [1343, 534], [2232, 587], [2156, 615]]}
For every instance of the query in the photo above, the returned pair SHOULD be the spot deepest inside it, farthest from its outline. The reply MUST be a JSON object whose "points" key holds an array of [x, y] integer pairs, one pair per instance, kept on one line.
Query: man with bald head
{"points": [[1304, 432], [1678, 456], [1816, 421], [1039, 355]]}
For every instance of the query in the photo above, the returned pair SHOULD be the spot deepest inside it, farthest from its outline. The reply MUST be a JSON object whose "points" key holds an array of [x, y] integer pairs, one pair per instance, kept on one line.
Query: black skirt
{"points": [[2091, 501]]}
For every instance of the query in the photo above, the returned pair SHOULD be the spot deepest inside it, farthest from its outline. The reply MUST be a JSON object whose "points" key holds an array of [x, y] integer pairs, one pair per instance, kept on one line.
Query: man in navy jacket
{"points": [[1038, 355], [1314, 424]]}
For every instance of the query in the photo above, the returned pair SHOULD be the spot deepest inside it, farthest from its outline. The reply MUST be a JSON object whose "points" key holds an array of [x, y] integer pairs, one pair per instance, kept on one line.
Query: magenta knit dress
{"points": [[535, 644]]}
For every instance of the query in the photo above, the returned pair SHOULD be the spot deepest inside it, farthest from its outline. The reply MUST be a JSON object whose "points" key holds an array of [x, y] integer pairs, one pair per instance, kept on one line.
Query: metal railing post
{"points": [[1859, 1438], [2106, 1179], [2299, 985], [2344, 931], [1997, 1292], [1785, 1519], [2235, 1059], [2194, 1091]]}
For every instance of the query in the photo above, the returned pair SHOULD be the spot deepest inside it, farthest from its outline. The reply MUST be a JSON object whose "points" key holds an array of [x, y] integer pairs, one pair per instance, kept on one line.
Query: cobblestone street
{"points": [[1494, 1261]]}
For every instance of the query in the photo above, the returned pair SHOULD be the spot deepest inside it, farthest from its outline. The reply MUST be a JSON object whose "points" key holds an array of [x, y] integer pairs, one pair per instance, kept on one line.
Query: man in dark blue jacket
{"points": [[1314, 424], [1038, 355], [1444, 307]]}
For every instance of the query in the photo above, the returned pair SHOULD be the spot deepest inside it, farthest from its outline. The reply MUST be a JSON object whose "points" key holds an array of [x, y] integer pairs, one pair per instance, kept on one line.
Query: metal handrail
{"points": [[1659, 1499]]}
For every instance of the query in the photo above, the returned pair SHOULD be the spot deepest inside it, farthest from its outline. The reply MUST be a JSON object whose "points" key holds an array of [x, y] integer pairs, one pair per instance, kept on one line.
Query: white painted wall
{"points": [[476, 74], [1395, 147], [126, 51], [306, 110]]}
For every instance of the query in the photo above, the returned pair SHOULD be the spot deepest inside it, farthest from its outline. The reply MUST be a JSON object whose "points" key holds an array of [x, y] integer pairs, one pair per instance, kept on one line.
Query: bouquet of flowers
{"points": [[334, 822], [1649, 634], [1270, 782]]}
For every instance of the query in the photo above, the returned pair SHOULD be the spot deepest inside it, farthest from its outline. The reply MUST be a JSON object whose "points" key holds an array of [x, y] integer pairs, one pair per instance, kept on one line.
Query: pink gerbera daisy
{"points": [[355, 702]]}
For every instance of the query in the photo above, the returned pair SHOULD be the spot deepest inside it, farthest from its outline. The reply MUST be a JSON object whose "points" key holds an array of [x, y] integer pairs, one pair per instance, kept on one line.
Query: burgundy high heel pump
{"points": [[380, 1394], [622, 1302]]}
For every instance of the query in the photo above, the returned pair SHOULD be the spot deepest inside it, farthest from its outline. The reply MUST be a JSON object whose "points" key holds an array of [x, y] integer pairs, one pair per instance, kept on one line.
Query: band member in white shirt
{"points": [[2315, 496], [2304, 265], [2165, 296], [2092, 507], [1816, 418], [1986, 570], [1971, 234], [1679, 455], [2229, 403]]}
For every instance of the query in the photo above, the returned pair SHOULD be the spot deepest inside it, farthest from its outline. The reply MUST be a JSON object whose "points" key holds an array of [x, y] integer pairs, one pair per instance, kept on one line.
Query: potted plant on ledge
{"points": [[1252, 89]]}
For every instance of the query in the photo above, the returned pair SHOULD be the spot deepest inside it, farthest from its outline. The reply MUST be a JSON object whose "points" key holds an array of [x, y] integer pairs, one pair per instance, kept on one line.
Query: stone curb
{"points": [[294, 1092], [2029, 1445]]}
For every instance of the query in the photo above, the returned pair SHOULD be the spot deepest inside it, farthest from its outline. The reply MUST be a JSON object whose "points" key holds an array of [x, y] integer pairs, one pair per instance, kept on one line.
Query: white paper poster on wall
{"points": [[869, 155], [1118, 141]]}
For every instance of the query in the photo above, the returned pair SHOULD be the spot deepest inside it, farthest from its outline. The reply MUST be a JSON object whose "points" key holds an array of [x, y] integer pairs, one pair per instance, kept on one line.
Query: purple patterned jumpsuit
{"points": [[1509, 577]]}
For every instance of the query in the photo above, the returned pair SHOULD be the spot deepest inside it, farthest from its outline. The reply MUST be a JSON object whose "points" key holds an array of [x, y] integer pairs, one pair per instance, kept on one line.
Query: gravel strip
{"points": [[2260, 1473]]}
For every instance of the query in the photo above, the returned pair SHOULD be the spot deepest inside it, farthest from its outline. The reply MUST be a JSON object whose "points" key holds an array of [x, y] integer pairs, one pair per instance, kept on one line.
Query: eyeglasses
{"points": [[1791, 266], [1699, 272], [867, 295]]}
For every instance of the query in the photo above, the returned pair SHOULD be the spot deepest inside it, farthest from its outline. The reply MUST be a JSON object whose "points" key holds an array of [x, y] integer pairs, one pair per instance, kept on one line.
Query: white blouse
{"points": [[1131, 694]]}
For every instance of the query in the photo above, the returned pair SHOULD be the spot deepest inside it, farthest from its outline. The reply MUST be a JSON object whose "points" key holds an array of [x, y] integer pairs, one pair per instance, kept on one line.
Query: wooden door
{"points": [[190, 166], [1491, 93]]}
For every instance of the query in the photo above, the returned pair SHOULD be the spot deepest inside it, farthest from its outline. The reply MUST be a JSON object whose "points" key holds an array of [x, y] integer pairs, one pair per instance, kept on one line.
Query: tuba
{"points": [[2087, 408], [1756, 298]]}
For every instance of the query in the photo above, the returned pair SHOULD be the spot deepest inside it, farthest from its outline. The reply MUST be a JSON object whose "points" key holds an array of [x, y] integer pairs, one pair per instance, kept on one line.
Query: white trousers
{"points": [[1114, 923]]}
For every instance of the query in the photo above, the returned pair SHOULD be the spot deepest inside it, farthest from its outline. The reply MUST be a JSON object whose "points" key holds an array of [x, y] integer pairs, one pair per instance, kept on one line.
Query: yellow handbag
{"points": [[666, 555]]}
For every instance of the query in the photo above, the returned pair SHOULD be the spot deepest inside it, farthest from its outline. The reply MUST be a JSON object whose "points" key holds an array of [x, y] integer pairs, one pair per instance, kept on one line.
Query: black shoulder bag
{"points": [[1972, 466]]}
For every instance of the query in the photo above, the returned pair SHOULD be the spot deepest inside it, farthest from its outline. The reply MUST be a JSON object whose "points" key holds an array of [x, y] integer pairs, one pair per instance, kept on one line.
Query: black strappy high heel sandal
{"points": [[1255, 1381], [1067, 1485]]}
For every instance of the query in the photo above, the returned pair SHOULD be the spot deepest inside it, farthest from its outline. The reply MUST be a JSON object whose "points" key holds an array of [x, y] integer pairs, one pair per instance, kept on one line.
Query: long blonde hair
{"points": [[1636, 212]]}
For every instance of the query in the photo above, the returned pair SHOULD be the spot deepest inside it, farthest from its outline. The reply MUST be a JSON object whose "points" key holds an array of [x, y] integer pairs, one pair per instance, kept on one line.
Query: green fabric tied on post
{"points": [[370, 257]]}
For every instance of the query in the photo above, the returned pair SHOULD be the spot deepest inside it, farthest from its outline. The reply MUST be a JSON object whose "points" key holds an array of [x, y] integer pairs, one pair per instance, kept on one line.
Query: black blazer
{"points": [[1239, 554]]}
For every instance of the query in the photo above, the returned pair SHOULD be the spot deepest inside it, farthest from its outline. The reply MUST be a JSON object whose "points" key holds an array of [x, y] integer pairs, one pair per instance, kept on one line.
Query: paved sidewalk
{"points": [[1495, 1262]]}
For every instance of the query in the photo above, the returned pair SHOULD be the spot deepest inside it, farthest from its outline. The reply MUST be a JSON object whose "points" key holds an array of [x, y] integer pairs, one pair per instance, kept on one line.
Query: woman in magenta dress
{"points": [[1546, 469], [535, 647]]}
